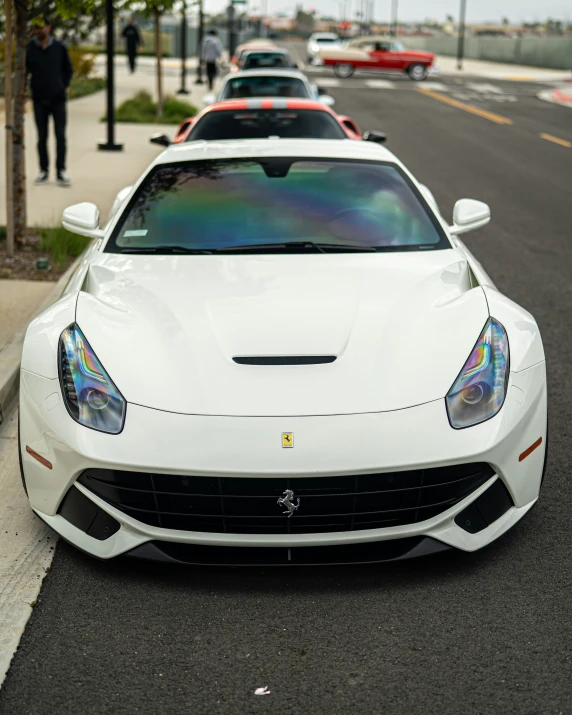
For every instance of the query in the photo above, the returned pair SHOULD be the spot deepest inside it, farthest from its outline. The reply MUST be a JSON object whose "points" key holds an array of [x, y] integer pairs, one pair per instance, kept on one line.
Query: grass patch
{"points": [[82, 86], [142, 109], [60, 244]]}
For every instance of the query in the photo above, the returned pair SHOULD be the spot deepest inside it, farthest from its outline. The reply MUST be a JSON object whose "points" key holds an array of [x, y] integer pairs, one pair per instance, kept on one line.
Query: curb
{"points": [[555, 96], [10, 355]]}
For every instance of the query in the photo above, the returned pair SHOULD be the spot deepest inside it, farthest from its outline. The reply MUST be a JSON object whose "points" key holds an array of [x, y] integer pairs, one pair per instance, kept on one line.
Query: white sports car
{"points": [[278, 352]]}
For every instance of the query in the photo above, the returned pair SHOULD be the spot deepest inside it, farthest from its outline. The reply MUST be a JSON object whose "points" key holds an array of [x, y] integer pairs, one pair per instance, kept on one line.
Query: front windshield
{"points": [[326, 40], [268, 204], [265, 86], [263, 123], [398, 47]]}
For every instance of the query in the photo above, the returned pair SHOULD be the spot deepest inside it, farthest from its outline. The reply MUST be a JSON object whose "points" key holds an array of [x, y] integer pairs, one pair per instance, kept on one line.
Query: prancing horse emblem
{"points": [[286, 501]]}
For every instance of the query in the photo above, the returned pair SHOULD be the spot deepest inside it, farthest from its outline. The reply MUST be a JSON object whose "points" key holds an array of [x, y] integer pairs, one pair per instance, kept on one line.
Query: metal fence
{"points": [[552, 52]]}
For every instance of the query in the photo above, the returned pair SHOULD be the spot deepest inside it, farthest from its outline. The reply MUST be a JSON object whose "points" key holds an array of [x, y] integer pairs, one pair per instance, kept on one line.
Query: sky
{"points": [[416, 10]]}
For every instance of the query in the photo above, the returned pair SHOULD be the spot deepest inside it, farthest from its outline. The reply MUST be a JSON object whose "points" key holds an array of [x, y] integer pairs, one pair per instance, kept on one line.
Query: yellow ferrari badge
{"points": [[287, 439]]}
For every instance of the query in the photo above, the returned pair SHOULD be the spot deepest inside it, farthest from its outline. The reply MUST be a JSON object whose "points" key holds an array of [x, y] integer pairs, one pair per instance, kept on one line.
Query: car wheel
{"points": [[417, 72], [344, 70]]}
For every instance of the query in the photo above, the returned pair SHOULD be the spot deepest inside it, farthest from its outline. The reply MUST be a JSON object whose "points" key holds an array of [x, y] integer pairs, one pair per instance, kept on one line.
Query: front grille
{"points": [[285, 360], [242, 505]]}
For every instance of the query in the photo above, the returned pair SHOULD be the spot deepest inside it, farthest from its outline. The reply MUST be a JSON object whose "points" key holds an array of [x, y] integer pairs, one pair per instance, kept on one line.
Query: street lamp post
{"points": [[394, 9], [200, 35], [461, 41], [110, 144], [183, 89]]}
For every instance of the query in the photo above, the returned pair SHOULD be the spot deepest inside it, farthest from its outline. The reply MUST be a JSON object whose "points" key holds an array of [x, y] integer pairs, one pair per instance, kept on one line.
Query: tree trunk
{"points": [[159, 53], [8, 111], [19, 108]]}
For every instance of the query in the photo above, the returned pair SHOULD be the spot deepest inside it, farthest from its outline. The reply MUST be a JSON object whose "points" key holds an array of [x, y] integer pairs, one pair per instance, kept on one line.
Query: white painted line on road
{"points": [[484, 87], [26, 549], [329, 82], [379, 84], [436, 86]]}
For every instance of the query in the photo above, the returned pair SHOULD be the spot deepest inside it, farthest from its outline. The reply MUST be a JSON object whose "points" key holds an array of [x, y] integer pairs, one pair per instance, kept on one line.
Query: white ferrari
{"points": [[278, 352]]}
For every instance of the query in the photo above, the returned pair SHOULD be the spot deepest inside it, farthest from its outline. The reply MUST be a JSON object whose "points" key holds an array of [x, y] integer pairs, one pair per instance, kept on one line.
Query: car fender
{"points": [[525, 343]]}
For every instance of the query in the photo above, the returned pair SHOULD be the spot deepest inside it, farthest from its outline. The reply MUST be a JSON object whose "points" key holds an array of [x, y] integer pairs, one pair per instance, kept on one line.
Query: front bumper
{"points": [[165, 443]]}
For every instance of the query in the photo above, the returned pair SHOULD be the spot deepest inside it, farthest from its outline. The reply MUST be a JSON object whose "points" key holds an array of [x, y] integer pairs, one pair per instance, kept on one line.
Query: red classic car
{"points": [[378, 54], [260, 118]]}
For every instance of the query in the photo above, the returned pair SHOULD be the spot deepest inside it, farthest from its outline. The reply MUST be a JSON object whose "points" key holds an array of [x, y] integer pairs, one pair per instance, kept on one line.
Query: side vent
{"points": [[285, 360]]}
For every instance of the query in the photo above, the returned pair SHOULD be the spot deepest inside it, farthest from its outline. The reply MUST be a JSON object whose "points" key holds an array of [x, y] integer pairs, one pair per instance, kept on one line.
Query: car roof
{"points": [[296, 74], [325, 34], [266, 50], [259, 148], [266, 103]]}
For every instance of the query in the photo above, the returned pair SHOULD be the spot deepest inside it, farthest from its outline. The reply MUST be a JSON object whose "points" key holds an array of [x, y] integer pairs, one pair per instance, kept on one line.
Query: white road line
{"points": [[484, 87], [435, 86], [26, 548], [328, 82], [379, 84]]}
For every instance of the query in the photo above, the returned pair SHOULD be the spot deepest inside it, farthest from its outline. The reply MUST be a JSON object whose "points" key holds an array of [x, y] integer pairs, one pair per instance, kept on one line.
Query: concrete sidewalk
{"points": [[96, 176], [499, 70]]}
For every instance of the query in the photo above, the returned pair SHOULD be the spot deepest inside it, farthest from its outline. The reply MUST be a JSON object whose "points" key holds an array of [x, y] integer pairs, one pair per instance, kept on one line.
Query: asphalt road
{"points": [[472, 633]]}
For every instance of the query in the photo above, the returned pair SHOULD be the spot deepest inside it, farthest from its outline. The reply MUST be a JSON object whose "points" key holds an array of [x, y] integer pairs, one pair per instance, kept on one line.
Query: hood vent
{"points": [[285, 360]]}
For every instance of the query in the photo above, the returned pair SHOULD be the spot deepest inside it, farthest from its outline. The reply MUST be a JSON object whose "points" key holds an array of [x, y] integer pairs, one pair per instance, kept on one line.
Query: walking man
{"points": [[211, 51], [132, 42], [48, 63]]}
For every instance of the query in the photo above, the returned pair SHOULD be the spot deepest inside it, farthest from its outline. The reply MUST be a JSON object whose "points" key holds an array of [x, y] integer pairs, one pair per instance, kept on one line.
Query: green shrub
{"points": [[82, 86], [60, 244], [141, 109]]}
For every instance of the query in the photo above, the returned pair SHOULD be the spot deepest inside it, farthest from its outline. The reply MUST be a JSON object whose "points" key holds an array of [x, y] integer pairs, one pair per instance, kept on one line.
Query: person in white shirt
{"points": [[211, 51]]}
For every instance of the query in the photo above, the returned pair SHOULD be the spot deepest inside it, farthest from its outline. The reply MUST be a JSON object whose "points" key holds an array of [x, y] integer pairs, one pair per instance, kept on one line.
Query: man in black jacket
{"points": [[48, 63], [132, 42]]}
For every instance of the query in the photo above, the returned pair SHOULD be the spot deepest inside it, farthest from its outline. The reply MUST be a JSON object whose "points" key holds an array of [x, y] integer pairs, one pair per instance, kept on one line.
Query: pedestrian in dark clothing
{"points": [[48, 63], [211, 51], [132, 42]]}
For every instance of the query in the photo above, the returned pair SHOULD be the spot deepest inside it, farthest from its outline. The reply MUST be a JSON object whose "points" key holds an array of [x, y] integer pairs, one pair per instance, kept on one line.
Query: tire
{"points": [[20, 458], [344, 70], [417, 72]]}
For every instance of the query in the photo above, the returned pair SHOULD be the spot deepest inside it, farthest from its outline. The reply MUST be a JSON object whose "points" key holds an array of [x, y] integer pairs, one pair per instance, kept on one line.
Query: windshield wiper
{"points": [[320, 247], [165, 250]]}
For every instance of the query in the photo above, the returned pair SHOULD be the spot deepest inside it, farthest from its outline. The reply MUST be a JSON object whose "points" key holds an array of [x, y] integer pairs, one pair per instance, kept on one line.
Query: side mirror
{"points": [[209, 99], [327, 100], [161, 139], [321, 91], [377, 137], [82, 219], [468, 215]]}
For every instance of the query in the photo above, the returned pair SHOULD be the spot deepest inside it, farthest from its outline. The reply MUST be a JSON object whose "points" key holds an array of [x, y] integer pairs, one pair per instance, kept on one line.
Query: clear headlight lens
{"points": [[480, 390], [89, 394]]}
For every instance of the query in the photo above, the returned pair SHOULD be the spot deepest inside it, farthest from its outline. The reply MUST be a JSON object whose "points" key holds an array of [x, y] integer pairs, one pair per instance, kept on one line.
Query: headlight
{"points": [[89, 394], [479, 391]]}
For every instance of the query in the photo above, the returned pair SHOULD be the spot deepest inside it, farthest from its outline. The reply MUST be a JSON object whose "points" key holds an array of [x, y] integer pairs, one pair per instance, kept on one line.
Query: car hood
{"points": [[418, 55], [166, 329]]}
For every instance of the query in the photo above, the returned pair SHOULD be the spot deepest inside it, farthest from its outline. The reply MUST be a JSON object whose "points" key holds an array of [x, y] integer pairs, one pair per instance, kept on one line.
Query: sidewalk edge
{"points": [[548, 96], [10, 355]]}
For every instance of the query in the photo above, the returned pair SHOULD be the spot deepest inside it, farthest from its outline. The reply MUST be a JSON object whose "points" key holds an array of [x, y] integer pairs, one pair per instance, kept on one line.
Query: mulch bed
{"points": [[23, 265]]}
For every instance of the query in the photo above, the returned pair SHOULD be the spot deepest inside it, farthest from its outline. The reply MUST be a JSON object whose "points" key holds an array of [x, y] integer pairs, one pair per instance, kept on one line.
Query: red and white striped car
{"points": [[259, 118]]}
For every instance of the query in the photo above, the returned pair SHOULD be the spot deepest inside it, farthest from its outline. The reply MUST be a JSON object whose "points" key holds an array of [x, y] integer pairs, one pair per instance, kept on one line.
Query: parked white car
{"points": [[320, 41], [248, 84], [278, 352]]}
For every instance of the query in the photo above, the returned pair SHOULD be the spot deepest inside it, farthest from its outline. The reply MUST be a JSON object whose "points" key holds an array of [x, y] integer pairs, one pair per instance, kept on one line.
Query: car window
{"points": [[263, 60], [265, 86], [383, 46], [240, 204], [262, 123]]}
